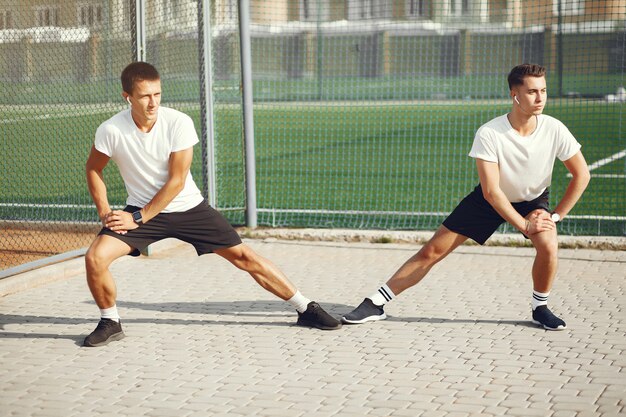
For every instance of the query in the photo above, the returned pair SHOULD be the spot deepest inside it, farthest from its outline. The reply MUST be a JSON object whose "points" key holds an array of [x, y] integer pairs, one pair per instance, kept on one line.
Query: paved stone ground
{"points": [[204, 340]]}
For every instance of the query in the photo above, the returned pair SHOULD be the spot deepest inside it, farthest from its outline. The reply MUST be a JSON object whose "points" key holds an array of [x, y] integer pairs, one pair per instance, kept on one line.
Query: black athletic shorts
{"points": [[475, 218], [202, 226]]}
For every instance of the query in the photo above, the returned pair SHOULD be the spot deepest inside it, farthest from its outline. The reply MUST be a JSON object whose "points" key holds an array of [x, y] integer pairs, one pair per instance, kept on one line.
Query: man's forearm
{"points": [[161, 199], [579, 170], [505, 209], [574, 191], [98, 191]]}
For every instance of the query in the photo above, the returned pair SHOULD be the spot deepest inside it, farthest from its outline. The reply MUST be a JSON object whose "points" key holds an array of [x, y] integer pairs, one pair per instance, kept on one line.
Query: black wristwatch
{"points": [[137, 217]]}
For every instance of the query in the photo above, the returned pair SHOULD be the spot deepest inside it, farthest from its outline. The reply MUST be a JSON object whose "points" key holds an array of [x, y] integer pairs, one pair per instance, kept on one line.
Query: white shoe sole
{"points": [[550, 328], [366, 319]]}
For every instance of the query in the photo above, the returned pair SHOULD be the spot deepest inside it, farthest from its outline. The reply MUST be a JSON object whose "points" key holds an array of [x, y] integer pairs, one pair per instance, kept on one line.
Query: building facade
{"points": [[181, 15]]}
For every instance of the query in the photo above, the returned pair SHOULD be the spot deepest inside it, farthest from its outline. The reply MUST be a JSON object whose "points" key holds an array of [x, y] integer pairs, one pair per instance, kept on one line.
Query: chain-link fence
{"points": [[364, 110], [60, 64], [384, 98]]}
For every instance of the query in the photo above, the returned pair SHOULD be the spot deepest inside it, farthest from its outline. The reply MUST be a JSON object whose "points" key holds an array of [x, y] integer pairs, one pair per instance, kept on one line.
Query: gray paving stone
{"points": [[525, 412], [204, 340]]}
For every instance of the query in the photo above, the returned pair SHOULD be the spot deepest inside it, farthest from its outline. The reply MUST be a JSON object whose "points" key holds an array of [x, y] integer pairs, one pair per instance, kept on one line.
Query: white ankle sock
{"points": [[539, 299], [382, 296], [299, 301], [110, 313]]}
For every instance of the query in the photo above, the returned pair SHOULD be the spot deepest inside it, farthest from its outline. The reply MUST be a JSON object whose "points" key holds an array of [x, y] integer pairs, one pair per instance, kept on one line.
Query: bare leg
{"points": [[546, 258], [415, 269], [102, 252], [264, 272], [543, 273]]}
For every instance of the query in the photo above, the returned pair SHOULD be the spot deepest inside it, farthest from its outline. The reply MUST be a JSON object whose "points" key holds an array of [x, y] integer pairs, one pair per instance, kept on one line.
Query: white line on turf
{"points": [[605, 161]]}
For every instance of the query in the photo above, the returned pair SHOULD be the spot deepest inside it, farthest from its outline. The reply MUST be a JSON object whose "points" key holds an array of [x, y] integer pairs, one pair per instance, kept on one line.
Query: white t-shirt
{"points": [[525, 162], [143, 158]]}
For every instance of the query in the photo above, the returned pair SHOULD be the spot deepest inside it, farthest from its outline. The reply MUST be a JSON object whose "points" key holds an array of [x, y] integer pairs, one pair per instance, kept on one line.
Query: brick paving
{"points": [[202, 339]]}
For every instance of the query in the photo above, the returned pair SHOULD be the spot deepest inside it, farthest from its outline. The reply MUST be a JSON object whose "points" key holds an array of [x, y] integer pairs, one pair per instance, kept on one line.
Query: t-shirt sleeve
{"points": [[185, 135], [484, 147], [103, 141], [568, 145]]}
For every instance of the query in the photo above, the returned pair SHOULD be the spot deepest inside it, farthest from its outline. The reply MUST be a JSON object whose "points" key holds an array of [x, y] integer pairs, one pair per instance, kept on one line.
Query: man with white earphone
{"points": [[152, 145], [520, 106], [514, 155]]}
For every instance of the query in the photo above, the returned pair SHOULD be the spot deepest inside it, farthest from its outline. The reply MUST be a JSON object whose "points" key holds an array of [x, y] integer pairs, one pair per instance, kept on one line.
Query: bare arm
{"points": [[489, 175], [178, 168], [96, 163], [179, 165], [577, 166]]}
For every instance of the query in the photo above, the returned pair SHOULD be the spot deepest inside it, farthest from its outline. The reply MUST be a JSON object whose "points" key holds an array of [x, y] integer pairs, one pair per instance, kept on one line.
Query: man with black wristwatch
{"points": [[152, 146], [514, 155]]}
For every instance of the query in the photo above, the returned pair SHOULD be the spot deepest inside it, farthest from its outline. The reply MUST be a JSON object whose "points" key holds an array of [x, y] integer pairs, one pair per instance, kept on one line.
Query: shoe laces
{"points": [[316, 310], [105, 324]]}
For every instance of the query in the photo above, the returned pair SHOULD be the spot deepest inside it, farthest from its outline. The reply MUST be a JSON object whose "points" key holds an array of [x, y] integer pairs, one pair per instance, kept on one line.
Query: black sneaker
{"points": [[544, 317], [315, 316], [366, 311], [107, 331]]}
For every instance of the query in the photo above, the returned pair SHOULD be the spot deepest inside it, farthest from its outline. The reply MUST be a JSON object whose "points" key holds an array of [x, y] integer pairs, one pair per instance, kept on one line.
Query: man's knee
{"points": [[551, 249], [546, 243], [241, 256], [103, 252], [95, 261], [439, 246], [430, 254]]}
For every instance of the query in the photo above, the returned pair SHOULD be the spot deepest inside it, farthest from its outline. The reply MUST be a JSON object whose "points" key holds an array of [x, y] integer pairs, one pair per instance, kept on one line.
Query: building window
{"points": [[568, 7], [314, 10], [6, 19], [459, 7], [46, 16], [369, 9], [415, 8], [90, 15]]}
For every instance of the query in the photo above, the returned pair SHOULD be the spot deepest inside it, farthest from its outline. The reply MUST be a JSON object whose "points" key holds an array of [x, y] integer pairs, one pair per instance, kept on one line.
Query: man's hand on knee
{"points": [[540, 221], [120, 221]]}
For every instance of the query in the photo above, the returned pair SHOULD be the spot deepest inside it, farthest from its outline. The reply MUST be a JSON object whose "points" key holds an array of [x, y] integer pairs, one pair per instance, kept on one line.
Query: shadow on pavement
{"points": [[261, 309]]}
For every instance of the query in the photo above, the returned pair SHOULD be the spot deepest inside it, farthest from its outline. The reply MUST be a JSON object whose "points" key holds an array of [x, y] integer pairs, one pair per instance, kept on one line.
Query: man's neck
{"points": [[144, 126], [524, 124]]}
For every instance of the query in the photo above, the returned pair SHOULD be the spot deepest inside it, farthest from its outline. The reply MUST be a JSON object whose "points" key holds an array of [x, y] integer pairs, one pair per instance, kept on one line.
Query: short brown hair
{"points": [[138, 71], [518, 73]]}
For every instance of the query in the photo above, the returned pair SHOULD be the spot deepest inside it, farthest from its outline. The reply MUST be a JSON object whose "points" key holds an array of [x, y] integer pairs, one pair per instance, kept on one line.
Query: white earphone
{"points": [[128, 99], [516, 100]]}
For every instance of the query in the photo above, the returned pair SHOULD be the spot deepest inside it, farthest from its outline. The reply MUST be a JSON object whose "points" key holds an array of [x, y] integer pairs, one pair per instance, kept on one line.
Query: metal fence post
{"points": [[139, 29], [248, 124], [138, 33], [206, 103]]}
